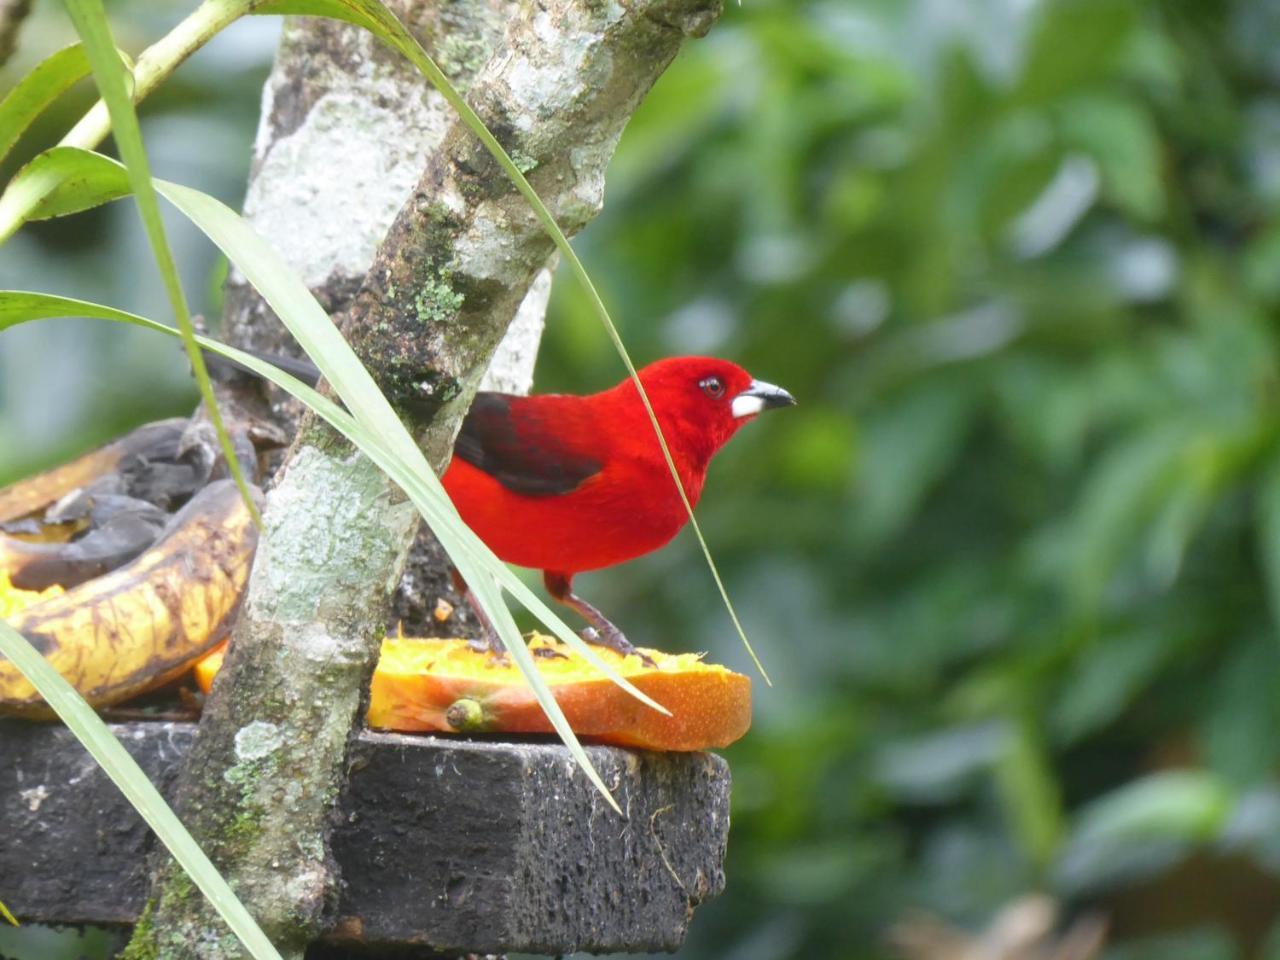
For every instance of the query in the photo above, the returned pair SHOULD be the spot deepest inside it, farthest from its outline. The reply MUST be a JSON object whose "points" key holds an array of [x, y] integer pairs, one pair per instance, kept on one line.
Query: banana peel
{"points": [[157, 441], [142, 625], [118, 529], [119, 595]]}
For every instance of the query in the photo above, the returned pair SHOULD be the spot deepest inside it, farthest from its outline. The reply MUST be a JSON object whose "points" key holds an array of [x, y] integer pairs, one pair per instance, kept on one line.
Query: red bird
{"points": [[565, 483]]}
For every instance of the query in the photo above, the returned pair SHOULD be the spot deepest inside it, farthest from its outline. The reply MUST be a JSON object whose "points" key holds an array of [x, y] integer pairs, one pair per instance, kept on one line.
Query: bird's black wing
{"points": [[520, 442]]}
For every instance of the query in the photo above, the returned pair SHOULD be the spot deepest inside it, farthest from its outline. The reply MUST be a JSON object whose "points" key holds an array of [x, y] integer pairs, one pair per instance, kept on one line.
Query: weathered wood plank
{"points": [[457, 845]]}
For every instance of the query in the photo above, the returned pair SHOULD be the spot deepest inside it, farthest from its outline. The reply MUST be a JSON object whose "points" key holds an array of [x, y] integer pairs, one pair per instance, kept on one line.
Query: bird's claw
{"points": [[493, 647], [548, 653], [614, 639]]}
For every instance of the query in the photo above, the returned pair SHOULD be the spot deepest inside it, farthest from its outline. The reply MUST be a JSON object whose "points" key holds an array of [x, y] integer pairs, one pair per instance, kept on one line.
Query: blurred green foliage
{"points": [[66, 385], [1015, 557], [1014, 560]]}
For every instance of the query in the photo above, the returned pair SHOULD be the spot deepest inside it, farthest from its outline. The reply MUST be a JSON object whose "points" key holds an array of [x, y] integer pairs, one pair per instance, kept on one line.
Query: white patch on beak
{"points": [[760, 396]]}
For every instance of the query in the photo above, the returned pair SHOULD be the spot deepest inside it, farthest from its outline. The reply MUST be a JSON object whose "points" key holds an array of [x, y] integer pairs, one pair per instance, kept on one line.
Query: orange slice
{"points": [[428, 685]]}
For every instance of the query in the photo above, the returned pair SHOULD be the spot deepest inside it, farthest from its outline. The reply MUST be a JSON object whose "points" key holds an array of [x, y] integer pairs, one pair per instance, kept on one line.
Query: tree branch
{"points": [[445, 283], [12, 14], [326, 198]]}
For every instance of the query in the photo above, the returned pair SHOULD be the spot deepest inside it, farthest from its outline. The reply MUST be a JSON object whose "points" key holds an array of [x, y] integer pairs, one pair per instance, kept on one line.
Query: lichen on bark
{"points": [[462, 257]]}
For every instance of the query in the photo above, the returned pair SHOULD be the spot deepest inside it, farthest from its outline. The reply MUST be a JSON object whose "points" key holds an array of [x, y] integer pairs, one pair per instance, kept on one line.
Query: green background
{"points": [[1014, 560]]}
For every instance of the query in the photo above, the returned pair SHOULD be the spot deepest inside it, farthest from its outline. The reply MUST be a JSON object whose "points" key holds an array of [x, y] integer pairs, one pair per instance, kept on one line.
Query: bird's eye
{"points": [[712, 387]]}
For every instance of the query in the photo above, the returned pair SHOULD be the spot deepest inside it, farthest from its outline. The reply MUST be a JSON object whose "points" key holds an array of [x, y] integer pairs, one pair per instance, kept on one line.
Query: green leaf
{"points": [[351, 12], [125, 773], [1106, 677], [1144, 826], [4, 912], [1186, 804], [63, 180], [152, 67], [1030, 791], [110, 75], [938, 766], [44, 84], [1178, 519], [375, 17], [1098, 31], [906, 448], [1122, 137], [1269, 535], [1117, 500], [1237, 727]]}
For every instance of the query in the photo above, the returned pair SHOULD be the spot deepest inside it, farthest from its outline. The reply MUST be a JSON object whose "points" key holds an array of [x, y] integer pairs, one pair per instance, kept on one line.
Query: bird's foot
{"points": [[614, 639], [492, 645], [548, 653]]}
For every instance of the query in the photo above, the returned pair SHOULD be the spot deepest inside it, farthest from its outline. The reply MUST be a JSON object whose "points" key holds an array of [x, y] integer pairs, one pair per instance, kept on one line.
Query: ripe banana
{"points": [[142, 625]]}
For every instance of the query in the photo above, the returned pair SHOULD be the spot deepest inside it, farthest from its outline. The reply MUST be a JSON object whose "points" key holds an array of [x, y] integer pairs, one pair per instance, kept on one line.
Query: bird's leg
{"points": [[489, 642], [602, 633]]}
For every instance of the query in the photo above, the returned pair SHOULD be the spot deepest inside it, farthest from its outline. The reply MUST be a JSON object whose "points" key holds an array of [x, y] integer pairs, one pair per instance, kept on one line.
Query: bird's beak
{"points": [[760, 396]]}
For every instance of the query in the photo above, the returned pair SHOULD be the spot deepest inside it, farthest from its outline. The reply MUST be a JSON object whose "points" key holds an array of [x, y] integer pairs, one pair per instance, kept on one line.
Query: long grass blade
{"points": [[374, 16], [212, 16], [125, 773], [90, 20], [413, 475], [475, 561], [289, 297], [91, 172], [6, 915]]}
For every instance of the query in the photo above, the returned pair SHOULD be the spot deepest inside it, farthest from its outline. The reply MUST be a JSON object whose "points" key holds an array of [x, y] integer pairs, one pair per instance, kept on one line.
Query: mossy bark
{"points": [[448, 277]]}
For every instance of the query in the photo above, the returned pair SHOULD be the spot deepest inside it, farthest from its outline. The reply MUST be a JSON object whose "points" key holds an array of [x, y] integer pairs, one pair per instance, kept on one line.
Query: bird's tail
{"points": [[299, 367]]}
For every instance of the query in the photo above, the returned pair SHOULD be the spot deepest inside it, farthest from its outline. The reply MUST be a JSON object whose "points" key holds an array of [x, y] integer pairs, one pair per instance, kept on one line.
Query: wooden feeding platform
{"points": [[446, 845]]}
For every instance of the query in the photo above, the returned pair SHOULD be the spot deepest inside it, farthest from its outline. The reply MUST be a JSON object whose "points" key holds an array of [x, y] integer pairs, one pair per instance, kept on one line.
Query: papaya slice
{"points": [[443, 686]]}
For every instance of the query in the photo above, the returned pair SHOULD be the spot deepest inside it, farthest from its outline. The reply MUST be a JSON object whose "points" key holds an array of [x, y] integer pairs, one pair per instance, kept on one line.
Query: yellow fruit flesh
{"points": [[410, 656], [13, 600], [434, 685]]}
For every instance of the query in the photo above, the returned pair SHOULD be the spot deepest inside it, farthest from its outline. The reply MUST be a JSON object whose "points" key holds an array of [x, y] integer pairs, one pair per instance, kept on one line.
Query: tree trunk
{"points": [[342, 140]]}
